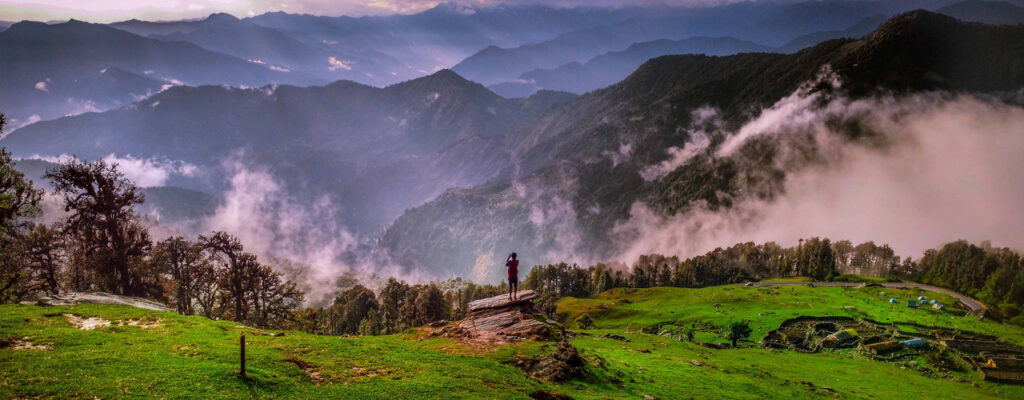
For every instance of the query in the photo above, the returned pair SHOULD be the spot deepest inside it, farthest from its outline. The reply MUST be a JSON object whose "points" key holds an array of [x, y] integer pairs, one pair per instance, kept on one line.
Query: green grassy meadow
{"points": [[192, 357]]}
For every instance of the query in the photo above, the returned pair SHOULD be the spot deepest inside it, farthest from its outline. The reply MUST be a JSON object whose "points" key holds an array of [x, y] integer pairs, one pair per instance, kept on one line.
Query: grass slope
{"points": [[667, 372], [192, 357]]}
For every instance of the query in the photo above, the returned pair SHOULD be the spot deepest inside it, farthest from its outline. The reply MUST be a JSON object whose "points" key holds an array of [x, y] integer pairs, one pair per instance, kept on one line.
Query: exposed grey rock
{"points": [[497, 317], [72, 298], [502, 301]]}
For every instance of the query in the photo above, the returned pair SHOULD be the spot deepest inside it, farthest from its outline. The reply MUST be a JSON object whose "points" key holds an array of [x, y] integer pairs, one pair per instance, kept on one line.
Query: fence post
{"points": [[242, 341]]}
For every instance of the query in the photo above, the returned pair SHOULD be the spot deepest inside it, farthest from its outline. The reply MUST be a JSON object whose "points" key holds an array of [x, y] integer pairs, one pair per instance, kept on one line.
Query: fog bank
{"points": [[940, 168]]}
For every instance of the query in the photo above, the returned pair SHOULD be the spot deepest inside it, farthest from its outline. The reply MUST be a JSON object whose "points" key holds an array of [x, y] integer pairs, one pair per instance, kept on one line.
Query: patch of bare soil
{"points": [[23, 343], [368, 372], [86, 323], [187, 351], [141, 323], [311, 370], [90, 323]]}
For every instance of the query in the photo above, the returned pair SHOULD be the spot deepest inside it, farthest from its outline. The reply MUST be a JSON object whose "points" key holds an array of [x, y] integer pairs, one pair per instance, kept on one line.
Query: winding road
{"points": [[971, 303]]}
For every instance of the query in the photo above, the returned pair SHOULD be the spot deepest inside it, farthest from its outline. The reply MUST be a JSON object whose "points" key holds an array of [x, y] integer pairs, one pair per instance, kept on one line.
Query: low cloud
{"points": [[81, 106], [145, 172], [17, 124], [705, 121], [678, 156], [272, 223], [553, 215], [621, 155], [42, 86], [942, 168]]}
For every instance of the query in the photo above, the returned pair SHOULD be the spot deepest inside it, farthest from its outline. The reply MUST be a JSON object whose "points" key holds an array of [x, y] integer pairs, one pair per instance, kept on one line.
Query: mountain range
{"points": [[516, 50], [611, 67], [446, 172], [763, 23], [376, 151], [49, 71]]}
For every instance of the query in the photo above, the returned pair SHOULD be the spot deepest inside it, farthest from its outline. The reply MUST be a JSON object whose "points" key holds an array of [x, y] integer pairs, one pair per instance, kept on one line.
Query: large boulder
{"points": [[500, 319], [502, 301]]}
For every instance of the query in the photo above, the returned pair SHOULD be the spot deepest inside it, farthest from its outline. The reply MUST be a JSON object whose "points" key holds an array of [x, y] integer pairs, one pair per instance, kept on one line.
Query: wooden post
{"points": [[243, 354]]}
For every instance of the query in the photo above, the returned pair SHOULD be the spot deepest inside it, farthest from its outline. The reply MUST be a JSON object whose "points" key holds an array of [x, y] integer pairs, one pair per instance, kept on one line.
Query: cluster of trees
{"points": [[396, 307], [215, 277], [102, 244], [815, 257], [993, 275]]}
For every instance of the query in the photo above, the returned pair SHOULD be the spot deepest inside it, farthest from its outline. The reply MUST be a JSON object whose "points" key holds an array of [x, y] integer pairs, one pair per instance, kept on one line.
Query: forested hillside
{"points": [[578, 170]]}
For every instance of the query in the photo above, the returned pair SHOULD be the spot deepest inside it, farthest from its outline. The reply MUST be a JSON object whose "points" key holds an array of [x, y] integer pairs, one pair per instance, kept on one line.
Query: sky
{"points": [[119, 10]]}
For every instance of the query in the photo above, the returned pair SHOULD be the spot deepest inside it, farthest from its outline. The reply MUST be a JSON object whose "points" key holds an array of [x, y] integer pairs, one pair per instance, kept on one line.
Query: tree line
{"points": [[396, 307], [993, 275]]}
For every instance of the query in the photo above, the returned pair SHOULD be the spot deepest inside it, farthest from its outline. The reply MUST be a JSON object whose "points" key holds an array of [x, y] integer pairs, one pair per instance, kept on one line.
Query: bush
{"points": [[584, 322], [1009, 310]]}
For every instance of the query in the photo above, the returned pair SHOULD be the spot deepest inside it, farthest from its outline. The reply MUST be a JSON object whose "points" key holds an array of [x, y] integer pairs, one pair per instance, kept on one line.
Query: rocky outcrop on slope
{"points": [[498, 319], [72, 298], [506, 319]]}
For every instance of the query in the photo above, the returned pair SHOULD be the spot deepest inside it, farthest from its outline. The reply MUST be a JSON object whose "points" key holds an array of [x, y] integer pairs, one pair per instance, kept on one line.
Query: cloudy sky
{"points": [[115, 10]]}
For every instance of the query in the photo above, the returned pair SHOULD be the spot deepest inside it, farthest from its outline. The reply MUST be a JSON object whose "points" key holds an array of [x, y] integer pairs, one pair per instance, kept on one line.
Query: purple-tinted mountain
{"points": [[989, 12], [612, 67], [573, 179], [767, 23], [50, 71], [374, 152]]}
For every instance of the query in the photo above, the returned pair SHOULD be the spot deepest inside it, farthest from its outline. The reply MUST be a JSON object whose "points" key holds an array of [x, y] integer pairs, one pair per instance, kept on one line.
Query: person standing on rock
{"points": [[513, 276]]}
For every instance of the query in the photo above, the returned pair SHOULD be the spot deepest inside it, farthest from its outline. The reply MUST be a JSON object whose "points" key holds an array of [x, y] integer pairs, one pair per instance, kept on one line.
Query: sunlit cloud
{"points": [[336, 64]]}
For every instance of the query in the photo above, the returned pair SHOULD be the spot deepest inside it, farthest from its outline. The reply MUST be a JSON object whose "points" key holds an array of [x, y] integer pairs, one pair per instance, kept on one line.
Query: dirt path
{"points": [[971, 303]]}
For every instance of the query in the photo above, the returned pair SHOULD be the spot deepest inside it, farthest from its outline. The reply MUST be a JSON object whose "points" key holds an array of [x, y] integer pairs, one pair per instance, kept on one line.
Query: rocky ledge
{"points": [[498, 319], [72, 298]]}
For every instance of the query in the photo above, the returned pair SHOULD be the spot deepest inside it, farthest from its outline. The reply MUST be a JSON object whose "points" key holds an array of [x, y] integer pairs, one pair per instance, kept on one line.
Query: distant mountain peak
{"points": [[444, 77], [225, 17], [916, 17], [447, 74], [25, 26]]}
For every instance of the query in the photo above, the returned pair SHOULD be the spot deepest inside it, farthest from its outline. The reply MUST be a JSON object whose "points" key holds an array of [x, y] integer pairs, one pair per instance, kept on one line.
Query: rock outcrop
{"points": [[564, 363], [506, 319], [498, 319], [72, 298]]}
